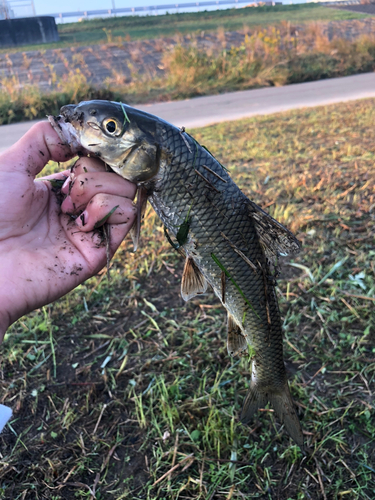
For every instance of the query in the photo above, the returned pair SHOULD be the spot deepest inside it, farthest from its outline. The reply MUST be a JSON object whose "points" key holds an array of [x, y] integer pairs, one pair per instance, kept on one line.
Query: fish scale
{"points": [[229, 241]]}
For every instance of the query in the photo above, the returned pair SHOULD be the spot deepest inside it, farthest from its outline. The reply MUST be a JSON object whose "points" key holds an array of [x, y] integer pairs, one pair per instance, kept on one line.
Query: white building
{"points": [[9, 9]]}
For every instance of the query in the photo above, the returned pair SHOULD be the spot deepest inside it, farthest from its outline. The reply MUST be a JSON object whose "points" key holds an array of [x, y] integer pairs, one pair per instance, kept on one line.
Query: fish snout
{"points": [[68, 111], [71, 114]]}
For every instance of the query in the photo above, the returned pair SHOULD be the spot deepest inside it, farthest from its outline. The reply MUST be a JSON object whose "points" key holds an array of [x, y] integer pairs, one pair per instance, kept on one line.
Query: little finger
{"points": [[106, 208]]}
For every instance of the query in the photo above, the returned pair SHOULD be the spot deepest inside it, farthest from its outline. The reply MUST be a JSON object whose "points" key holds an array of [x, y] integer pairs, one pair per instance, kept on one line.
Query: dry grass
{"points": [[141, 400], [269, 57], [276, 55]]}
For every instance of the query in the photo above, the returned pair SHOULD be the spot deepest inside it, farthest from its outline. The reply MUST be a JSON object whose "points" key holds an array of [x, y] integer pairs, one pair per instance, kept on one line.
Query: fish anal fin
{"points": [[140, 204], [236, 342], [193, 282], [282, 403]]}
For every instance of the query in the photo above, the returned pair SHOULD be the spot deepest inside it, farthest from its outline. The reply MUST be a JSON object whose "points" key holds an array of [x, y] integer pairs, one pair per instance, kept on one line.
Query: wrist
{"points": [[6, 317], [4, 325]]}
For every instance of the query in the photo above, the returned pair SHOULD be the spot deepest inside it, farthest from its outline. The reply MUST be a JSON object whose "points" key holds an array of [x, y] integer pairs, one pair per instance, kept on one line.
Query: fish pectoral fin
{"points": [[193, 282], [141, 204], [236, 342], [276, 238], [134, 233], [282, 403]]}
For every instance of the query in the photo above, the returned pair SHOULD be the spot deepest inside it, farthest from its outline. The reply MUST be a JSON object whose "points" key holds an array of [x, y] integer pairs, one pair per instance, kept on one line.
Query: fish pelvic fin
{"points": [[193, 282], [236, 342], [281, 401]]}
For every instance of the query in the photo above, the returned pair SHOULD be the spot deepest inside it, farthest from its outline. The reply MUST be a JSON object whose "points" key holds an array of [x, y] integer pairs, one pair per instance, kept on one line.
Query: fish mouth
{"points": [[67, 126], [69, 114], [74, 116]]}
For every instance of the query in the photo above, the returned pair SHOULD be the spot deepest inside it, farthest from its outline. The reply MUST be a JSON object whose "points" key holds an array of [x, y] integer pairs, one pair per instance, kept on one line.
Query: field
{"points": [[127, 28], [202, 53], [121, 391], [35, 84], [136, 28]]}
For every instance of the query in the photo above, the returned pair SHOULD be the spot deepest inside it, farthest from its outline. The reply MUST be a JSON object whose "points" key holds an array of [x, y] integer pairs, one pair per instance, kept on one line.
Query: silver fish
{"points": [[229, 241]]}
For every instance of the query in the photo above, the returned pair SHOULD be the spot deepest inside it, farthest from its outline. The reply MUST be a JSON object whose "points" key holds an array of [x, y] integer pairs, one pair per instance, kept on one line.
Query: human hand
{"points": [[44, 253]]}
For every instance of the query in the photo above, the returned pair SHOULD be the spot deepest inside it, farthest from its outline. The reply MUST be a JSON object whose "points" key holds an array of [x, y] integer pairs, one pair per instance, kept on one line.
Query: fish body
{"points": [[229, 241]]}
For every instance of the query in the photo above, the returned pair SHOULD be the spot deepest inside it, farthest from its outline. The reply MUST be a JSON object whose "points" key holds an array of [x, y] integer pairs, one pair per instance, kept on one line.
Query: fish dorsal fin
{"points": [[193, 282], [276, 239], [236, 342], [141, 204]]}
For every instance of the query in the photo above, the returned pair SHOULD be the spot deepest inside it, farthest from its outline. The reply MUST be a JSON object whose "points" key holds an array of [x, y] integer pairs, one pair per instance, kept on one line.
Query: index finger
{"points": [[34, 150]]}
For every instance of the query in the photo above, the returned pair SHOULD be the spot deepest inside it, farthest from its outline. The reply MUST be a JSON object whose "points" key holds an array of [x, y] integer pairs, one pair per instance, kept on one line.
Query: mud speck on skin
{"points": [[76, 270]]}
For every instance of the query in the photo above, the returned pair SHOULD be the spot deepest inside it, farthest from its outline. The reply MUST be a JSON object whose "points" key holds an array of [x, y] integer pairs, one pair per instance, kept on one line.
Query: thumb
{"points": [[34, 150]]}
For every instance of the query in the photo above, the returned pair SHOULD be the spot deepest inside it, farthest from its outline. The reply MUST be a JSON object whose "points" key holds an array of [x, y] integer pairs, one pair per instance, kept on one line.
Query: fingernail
{"points": [[65, 186], [67, 205], [82, 219]]}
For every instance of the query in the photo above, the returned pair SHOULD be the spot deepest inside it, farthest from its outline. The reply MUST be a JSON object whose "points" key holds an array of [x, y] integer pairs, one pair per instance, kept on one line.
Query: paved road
{"points": [[202, 111]]}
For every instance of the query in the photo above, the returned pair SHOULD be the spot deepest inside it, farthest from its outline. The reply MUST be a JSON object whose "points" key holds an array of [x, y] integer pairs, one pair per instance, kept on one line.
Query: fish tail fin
{"points": [[282, 402]]}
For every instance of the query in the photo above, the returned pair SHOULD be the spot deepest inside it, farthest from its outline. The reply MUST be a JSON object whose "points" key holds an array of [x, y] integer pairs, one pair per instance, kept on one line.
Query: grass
{"points": [[268, 57], [120, 29], [145, 400], [30, 102]]}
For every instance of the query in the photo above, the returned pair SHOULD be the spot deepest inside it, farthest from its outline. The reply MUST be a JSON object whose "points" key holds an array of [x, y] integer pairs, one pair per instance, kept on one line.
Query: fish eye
{"points": [[110, 126]]}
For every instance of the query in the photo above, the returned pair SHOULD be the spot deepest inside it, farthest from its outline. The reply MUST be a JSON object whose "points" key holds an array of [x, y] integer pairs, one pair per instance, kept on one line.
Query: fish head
{"points": [[121, 136]]}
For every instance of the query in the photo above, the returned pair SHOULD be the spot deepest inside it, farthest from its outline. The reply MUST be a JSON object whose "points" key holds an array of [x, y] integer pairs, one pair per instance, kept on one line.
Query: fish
{"points": [[229, 242]]}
